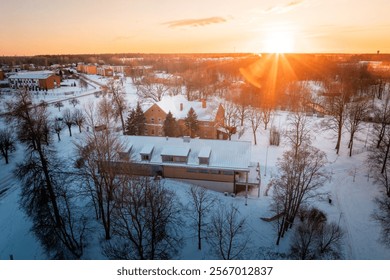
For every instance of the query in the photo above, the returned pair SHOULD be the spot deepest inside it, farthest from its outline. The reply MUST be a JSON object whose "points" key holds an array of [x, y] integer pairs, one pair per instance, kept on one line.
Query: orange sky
{"points": [[170, 26]]}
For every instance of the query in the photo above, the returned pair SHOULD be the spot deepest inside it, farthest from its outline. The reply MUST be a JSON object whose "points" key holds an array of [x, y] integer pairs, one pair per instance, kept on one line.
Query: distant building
{"points": [[223, 166], [105, 71], [34, 80], [90, 69], [210, 117]]}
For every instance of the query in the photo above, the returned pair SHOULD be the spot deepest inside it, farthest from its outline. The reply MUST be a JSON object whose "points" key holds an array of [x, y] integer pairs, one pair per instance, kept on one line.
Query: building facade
{"points": [[35, 80], [210, 117], [223, 166]]}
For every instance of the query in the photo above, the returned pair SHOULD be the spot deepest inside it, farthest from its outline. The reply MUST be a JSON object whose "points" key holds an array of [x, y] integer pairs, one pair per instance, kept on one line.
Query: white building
{"points": [[224, 166]]}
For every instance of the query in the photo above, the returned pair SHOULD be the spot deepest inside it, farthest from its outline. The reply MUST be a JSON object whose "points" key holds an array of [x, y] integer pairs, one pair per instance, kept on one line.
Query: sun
{"points": [[279, 42]]}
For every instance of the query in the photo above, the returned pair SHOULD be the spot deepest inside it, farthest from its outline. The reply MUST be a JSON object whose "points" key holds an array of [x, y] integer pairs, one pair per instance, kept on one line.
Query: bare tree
{"points": [[337, 95], [231, 118], [7, 143], [68, 120], [379, 163], [116, 93], [78, 118], [200, 204], [300, 175], [97, 155], [266, 114], [40, 174], [59, 105], [227, 233], [254, 116], [315, 238], [382, 215], [152, 89], [298, 133], [58, 126], [382, 117], [146, 221], [74, 102], [357, 112]]}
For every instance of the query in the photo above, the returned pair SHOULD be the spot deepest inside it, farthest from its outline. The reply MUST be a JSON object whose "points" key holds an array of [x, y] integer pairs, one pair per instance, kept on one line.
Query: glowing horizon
{"points": [[205, 26]]}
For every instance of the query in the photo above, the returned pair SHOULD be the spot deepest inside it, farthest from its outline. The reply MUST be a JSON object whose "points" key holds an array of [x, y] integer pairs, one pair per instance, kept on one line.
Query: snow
{"points": [[32, 75], [223, 154], [351, 190], [172, 104]]}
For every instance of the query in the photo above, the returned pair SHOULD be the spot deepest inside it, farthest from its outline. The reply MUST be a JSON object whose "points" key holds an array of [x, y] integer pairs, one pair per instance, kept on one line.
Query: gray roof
{"points": [[32, 75], [204, 152], [147, 149], [223, 154]]}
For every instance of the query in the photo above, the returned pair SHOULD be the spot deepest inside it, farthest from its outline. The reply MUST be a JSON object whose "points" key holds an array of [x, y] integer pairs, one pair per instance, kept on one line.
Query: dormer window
{"points": [[204, 155], [145, 157], [125, 155], [146, 152], [175, 154]]}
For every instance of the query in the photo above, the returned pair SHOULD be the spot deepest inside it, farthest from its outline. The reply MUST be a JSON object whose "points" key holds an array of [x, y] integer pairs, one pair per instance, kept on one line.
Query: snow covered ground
{"points": [[351, 190]]}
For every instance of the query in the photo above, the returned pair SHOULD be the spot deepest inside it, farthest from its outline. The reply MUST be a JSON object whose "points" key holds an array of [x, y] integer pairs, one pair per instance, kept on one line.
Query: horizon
{"points": [[43, 27], [194, 53]]}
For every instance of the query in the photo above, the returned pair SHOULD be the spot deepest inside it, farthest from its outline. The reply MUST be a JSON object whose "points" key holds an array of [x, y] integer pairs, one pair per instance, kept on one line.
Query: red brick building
{"points": [[210, 117], [87, 68], [35, 80]]}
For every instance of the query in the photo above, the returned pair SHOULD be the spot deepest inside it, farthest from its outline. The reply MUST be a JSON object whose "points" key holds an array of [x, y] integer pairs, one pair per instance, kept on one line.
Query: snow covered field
{"points": [[351, 190]]}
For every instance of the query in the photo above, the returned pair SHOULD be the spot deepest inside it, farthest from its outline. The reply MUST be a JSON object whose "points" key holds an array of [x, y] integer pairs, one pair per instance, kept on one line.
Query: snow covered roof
{"points": [[225, 155], [172, 104], [205, 152], [177, 151], [32, 75], [147, 149]]}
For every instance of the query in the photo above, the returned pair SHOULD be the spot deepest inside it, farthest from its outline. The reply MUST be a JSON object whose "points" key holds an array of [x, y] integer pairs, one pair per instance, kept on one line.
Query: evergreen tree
{"points": [[135, 124], [191, 122], [170, 126], [130, 123]]}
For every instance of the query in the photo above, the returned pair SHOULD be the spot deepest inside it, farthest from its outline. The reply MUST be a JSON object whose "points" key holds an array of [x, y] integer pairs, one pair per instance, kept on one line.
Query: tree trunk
{"points": [[199, 232], [385, 159], [49, 187], [122, 122], [338, 139], [6, 157]]}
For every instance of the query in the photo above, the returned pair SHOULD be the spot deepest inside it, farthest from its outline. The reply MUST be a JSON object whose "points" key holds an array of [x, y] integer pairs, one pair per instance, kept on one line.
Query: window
{"points": [[152, 121], [203, 160], [145, 157], [167, 158], [191, 170]]}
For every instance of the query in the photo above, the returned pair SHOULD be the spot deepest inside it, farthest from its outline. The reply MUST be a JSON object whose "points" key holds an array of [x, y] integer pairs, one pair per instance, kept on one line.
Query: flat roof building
{"points": [[220, 165], [34, 80]]}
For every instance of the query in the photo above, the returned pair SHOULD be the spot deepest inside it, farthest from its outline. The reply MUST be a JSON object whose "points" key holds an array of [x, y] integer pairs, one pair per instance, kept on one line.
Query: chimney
{"points": [[204, 104], [181, 106]]}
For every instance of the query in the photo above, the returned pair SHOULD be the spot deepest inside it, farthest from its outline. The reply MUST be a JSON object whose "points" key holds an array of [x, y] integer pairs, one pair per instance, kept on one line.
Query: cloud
{"points": [[194, 22], [284, 8]]}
